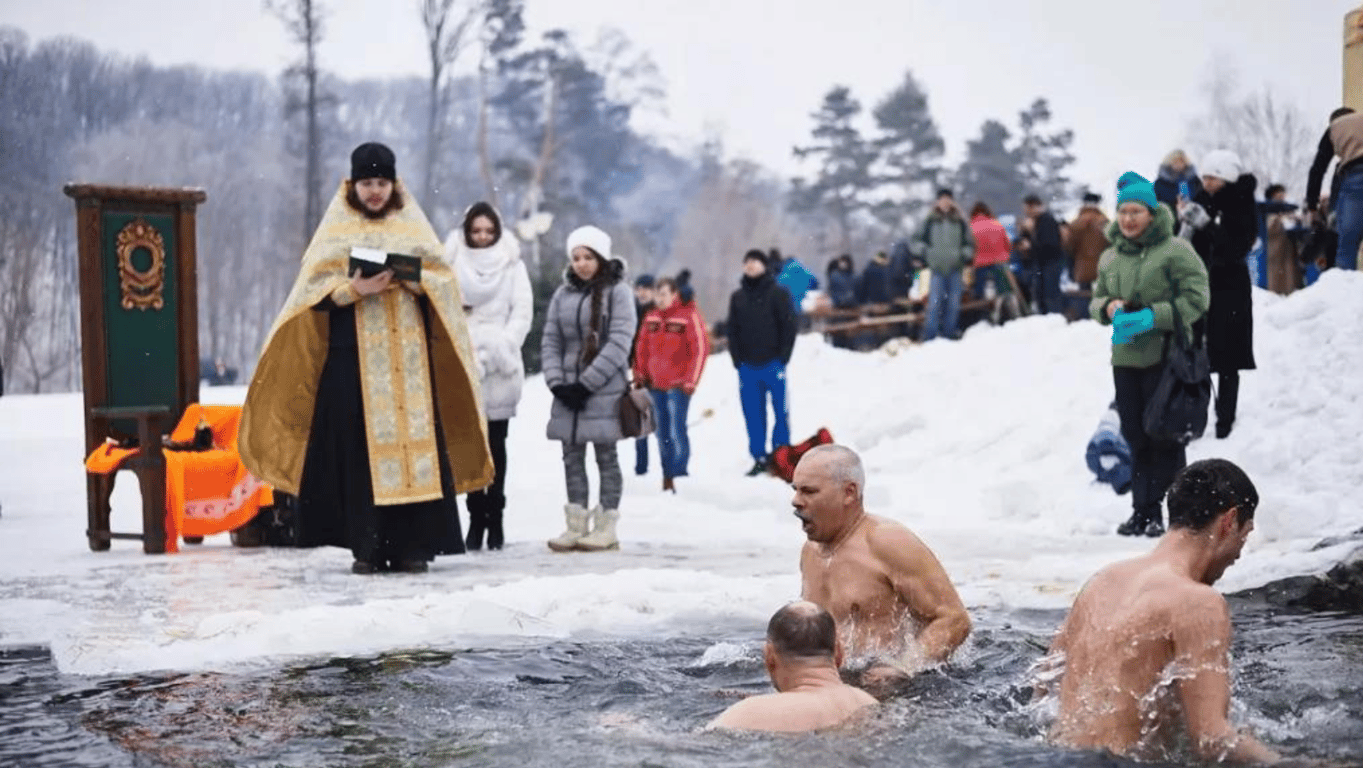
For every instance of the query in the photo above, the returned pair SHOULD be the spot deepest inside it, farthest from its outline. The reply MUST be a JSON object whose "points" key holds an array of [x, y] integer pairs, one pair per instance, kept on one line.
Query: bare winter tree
{"points": [[447, 24], [1273, 138], [303, 20], [738, 207]]}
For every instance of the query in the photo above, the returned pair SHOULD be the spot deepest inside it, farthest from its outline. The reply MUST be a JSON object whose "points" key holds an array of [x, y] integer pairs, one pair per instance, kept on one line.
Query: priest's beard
{"points": [[394, 203]]}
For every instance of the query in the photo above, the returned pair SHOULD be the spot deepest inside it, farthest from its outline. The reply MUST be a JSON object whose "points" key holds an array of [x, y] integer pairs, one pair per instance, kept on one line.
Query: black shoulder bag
{"points": [[1177, 410]]}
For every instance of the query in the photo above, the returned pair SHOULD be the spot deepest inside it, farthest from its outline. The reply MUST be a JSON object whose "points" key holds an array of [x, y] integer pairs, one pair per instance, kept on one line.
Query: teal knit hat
{"points": [[1133, 188]]}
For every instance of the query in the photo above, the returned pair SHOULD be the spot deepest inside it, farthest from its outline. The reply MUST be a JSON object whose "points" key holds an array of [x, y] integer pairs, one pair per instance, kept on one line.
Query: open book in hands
{"points": [[371, 261]]}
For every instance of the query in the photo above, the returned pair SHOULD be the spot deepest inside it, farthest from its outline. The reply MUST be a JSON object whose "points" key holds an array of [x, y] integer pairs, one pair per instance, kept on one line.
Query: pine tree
{"points": [[910, 148], [843, 181], [1042, 158], [990, 171]]}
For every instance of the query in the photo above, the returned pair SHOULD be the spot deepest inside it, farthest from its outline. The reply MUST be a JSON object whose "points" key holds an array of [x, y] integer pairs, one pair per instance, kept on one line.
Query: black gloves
{"points": [[574, 395]]}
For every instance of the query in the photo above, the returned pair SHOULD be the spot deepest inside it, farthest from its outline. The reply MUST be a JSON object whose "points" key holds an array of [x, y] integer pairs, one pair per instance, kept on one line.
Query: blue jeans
{"points": [[641, 455], [754, 384], [949, 286], [1349, 219], [674, 446]]}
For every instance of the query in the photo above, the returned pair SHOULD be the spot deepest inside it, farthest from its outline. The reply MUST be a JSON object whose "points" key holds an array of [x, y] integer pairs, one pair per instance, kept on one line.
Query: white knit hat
{"points": [[590, 237], [1221, 163]]}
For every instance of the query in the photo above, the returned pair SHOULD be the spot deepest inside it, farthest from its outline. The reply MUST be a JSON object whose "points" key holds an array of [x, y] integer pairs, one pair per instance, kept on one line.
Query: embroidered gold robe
{"points": [[395, 376]]}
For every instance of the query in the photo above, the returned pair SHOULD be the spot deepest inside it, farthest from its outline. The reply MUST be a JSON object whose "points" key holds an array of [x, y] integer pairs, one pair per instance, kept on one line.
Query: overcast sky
{"points": [[1125, 75]]}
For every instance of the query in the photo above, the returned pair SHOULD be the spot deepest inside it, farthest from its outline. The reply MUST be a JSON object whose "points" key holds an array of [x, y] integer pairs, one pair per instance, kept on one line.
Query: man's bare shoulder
{"points": [[748, 714], [1155, 584], [884, 535]]}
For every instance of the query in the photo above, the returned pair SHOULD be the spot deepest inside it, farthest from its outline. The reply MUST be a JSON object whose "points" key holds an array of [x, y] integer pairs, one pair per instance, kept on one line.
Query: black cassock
{"points": [[336, 498]]}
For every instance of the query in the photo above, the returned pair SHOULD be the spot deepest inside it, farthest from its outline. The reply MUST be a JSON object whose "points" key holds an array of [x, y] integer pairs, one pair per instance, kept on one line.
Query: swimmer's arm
{"points": [[921, 582], [1202, 650]]}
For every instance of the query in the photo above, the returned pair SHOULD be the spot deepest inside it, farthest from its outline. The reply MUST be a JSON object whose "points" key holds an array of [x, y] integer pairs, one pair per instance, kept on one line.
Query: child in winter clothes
{"points": [[588, 329], [669, 357]]}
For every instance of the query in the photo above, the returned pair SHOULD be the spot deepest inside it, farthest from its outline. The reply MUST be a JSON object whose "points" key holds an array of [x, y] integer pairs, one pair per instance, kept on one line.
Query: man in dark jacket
{"points": [[1225, 223], [643, 304], [761, 333], [873, 287], [1047, 253]]}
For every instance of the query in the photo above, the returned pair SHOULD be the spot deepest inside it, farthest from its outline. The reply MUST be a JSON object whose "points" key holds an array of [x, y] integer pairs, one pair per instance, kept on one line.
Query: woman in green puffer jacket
{"points": [[1143, 277]]}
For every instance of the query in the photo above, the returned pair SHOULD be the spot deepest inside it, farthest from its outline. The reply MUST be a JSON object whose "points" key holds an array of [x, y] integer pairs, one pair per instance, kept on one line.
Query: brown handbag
{"points": [[636, 413]]}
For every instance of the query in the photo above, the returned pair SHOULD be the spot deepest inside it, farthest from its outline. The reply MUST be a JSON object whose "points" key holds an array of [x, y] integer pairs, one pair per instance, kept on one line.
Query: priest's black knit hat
{"points": [[373, 160]]}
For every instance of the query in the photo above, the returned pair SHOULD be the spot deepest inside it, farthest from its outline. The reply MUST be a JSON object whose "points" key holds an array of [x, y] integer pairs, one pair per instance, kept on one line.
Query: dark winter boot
{"points": [[758, 468], [669, 485], [1134, 525], [1143, 522], [495, 539], [477, 526]]}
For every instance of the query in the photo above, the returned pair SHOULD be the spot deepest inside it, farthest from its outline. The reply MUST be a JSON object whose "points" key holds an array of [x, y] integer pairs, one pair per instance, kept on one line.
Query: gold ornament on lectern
{"points": [[142, 289]]}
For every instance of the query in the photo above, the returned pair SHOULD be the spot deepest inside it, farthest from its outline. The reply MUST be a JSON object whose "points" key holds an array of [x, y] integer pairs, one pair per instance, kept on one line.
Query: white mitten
{"points": [[1194, 215]]}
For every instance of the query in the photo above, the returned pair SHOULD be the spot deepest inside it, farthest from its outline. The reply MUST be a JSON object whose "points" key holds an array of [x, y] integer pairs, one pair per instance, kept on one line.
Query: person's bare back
{"points": [[1144, 651], [1123, 637], [802, 655], [812, 708]]}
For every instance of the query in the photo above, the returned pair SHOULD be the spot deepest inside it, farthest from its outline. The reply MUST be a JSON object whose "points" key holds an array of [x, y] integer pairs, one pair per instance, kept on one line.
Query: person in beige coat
{"points": [[1284, 273]]}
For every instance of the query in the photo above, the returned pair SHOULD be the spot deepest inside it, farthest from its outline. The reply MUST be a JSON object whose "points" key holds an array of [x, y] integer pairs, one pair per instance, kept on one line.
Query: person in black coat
{"points": [[842, 282], [761, 333], [1041, 233], [873, 286], [1223, 217]]}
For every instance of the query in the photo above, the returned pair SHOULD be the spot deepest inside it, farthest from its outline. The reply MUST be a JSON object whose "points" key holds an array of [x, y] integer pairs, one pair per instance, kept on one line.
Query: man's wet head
{"points": [[1215, 500], [801, 634], [828, 483]]}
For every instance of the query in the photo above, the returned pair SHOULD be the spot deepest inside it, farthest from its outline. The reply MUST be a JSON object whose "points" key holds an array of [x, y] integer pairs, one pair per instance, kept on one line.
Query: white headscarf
{"points": [[482, 271]]}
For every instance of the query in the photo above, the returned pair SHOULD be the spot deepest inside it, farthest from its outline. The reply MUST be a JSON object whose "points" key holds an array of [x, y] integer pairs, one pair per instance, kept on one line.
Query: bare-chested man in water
{"points": [[892, 601], [1145, 647], [802, 655]]}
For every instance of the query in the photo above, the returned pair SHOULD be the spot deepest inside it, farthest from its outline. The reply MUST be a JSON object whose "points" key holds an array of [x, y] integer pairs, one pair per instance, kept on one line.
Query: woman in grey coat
{"points": [[588, 330]]}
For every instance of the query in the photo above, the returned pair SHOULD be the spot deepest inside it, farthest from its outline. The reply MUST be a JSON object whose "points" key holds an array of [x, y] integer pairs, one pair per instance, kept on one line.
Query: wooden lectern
{"points": [[139, 336]]}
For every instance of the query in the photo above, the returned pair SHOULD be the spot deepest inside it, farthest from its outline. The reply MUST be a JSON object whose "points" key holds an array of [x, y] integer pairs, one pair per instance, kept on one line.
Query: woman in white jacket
{"points": [[498, 303]]}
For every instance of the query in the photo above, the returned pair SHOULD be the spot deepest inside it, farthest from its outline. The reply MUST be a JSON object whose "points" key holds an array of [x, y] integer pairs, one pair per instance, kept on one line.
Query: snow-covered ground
{"points": [[977, 445]]}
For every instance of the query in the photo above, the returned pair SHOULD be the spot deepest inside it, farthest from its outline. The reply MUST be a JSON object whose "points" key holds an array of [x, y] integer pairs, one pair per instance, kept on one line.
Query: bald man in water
{"points": [[1145, 648], [802, 655], [893, 603]]}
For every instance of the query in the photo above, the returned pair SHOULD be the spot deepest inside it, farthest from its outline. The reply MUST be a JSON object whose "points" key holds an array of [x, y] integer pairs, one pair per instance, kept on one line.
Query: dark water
{"points": [[1299, 684]]}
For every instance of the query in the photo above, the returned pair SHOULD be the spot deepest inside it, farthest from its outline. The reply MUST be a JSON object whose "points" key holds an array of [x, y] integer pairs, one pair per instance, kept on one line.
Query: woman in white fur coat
{"points": [[498, 303]]}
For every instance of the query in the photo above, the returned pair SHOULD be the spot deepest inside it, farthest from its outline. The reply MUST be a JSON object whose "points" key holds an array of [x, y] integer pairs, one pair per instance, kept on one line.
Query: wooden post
{"points": [[1353, 59]]}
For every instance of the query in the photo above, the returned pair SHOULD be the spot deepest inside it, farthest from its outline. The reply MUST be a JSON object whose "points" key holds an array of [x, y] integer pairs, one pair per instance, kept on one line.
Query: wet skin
{"points": [[1145, 653], [890, 596]]}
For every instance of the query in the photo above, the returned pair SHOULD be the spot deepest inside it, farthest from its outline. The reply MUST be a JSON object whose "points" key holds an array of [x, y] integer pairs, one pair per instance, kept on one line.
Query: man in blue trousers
{"points": [[761, 332]]}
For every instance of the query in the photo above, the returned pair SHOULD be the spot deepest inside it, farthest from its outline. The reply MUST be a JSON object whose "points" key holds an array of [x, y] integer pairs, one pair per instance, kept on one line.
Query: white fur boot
{"points": [[602, 536], [567, 541]]}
